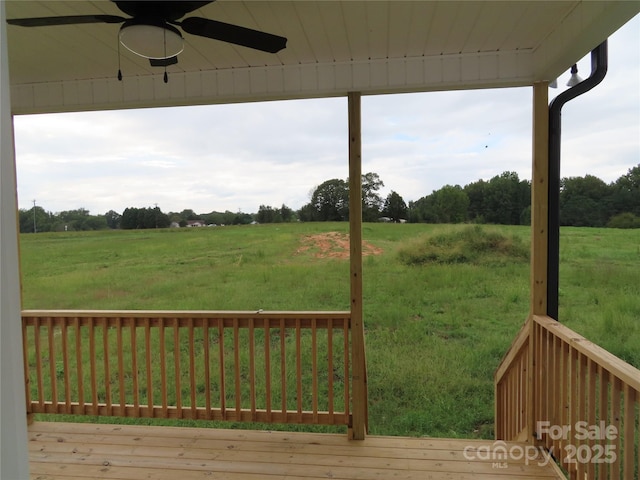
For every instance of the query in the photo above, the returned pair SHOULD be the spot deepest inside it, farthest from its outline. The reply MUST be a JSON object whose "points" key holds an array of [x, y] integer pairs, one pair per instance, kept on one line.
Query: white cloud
{"points": [[230, 157]]}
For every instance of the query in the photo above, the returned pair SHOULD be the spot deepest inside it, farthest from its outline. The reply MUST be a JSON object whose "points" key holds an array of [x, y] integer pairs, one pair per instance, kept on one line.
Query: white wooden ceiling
{"points": [[333, 47]]}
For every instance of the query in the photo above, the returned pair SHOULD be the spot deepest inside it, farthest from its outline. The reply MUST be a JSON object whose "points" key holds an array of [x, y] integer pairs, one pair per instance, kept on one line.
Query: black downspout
{"points": [[599, 63]]}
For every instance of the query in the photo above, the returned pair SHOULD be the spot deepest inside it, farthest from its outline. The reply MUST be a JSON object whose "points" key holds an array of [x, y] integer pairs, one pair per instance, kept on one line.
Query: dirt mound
{"points": [[332, 245]]}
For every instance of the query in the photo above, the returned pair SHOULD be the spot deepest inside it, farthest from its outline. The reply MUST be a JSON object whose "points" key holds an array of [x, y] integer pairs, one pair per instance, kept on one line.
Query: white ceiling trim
{"points": [[442, 72]]}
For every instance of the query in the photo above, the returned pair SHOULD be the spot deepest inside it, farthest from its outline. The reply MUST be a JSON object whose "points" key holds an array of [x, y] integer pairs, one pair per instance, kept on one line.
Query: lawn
{"points": [[435, 332]]}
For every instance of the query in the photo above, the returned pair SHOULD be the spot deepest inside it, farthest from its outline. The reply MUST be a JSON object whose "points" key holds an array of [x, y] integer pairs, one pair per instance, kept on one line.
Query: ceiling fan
{"points": [[151, 31]]}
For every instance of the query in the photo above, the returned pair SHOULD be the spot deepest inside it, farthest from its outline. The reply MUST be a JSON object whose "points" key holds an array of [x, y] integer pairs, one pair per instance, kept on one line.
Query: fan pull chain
{"points": [[119, 71], [166, 77]]}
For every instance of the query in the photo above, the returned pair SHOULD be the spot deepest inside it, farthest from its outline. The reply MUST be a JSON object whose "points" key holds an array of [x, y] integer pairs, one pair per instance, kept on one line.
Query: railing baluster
{"points": [[603, 378], [566, 395], [176, 365], [347, 383], [638, 434], [147, 350], [134, 367], [236, 361], [283, 371], [121, 384], [92, 366], [298, 371], [27, 370], [267, 367], [207, 372], [572, 413], [107, 371], [252, 369], [616, 390], [163, 367], [591, 410], [223, 390], [39, 379], [192, 370], [314, 370], [64, 332], [330, 367], [629, 434], [581, 392], [52, 365], [79, 371]]}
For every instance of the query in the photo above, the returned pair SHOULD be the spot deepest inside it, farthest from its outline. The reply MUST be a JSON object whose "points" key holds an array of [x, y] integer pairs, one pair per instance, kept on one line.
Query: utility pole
{"points": [[34, 217]]}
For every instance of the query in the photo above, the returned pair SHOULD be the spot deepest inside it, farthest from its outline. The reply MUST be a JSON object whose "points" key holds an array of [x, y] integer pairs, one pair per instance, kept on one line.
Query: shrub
{"points": [[473, 244], [624, 220]]}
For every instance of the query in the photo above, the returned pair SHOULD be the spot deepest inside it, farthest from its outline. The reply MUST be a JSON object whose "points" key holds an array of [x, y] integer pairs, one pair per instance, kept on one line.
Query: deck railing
{"points": [[565, 394], [273, 367]]}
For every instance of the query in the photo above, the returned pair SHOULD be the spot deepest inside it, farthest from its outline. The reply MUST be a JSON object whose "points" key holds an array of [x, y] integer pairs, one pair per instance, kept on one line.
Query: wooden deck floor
{"points": [[72, 451]]}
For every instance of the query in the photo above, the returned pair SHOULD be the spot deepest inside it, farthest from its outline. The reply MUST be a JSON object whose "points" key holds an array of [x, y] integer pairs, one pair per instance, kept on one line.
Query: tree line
{"points": [[504, 199]]}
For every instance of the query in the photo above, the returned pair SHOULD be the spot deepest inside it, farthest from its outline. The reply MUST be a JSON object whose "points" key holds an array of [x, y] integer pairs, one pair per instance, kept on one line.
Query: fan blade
{"points": [[163, 62], [226, 32], [68, 20]]}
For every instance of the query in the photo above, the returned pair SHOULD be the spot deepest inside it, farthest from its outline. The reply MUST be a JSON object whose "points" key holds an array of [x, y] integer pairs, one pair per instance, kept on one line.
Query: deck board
{"points": [[90, 451]]}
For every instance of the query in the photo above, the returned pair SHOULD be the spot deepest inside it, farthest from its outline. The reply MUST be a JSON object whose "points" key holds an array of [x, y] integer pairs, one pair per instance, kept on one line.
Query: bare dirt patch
{"points": [[332, 245]]}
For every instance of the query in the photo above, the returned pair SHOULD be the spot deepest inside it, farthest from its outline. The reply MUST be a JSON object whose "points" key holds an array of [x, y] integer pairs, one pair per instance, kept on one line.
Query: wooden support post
{"points": [[539, 243], [539, 199], [358, 427]]}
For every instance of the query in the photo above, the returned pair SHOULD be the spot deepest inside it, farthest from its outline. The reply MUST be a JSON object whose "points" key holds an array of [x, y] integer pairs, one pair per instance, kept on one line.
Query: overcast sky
{"points": [[238, 157]]}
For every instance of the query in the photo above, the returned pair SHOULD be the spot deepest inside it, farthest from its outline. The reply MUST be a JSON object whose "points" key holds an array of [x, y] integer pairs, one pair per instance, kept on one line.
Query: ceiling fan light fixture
{"points": [[156, 40]]}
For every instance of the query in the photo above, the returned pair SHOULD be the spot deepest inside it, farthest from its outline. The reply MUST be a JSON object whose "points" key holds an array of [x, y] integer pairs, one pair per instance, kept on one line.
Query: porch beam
{"points": [[359, 373], [13, 412]]}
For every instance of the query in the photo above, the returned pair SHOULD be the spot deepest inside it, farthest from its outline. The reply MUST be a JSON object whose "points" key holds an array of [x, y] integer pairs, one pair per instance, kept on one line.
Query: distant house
{"points": [[195, 223], [174, 225]]}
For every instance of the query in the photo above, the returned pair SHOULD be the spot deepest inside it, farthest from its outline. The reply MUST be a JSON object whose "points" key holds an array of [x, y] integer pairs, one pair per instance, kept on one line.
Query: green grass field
{"points": [[436, 329]]}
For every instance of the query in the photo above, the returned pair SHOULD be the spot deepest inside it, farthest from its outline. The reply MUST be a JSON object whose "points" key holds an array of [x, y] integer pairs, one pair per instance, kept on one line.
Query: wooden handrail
{"points": [[579, 402], [271, 367], [515, 350], [616, 366]]}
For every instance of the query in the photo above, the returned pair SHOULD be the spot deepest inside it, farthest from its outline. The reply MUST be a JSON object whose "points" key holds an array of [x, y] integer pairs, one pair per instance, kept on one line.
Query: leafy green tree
{"points": [[113, 219], [241, 218], [44, 221], [625, 194], [286, 213], [307, 213], [395, 207], [268, 214], [80, 220], [450, 204], [476, 192], [330, 201], [189, 214], [584, 201], [372, 202], [135, 218], [505, 198]]}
